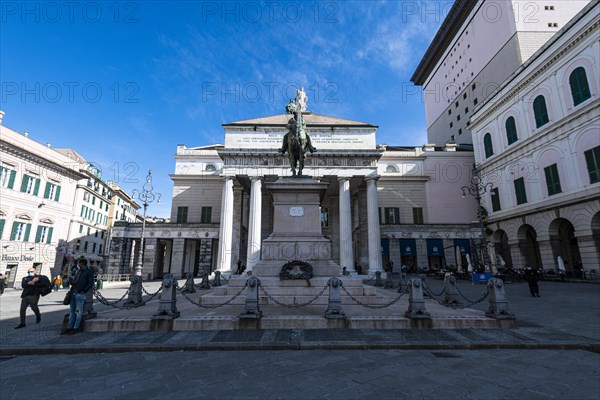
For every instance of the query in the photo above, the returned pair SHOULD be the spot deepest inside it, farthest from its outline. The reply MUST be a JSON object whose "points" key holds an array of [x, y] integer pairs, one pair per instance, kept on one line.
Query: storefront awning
{"points": [[464, 245], [408, 247], [435, 247]]}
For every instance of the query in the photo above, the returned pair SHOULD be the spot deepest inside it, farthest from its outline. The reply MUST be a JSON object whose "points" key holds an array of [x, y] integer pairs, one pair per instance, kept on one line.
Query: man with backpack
{"points": [[30, 297]]}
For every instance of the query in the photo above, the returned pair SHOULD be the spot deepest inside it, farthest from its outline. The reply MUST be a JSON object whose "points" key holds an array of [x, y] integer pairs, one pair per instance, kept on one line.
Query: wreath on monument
{"points": [[296, 269]]}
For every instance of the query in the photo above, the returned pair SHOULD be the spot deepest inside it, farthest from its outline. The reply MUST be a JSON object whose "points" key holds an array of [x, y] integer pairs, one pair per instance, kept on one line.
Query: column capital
{"points": [[256, 178], [372, 178], [342, 178]]}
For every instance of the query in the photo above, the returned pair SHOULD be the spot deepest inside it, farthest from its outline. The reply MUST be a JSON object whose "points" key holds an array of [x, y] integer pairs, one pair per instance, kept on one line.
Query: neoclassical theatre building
{"points": [[382, 203]]}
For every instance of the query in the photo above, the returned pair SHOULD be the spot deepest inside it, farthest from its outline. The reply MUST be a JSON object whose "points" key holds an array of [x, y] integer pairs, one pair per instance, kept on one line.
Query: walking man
{"points": [[30, 297], [532, 277], [83, 281]]}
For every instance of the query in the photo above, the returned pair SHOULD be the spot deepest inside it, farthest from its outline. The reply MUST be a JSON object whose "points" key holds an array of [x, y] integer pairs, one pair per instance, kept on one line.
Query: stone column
{"points": [[546, 255], [516, 254], [177, 253], [254, 223], [149, 260], [374, 235], [236, 230], [346, 254], [226, 227], [589, 252]]}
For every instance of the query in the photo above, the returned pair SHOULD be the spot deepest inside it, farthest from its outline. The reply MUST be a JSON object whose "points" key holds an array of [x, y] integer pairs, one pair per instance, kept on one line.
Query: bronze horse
{"points": [[296, 141]]}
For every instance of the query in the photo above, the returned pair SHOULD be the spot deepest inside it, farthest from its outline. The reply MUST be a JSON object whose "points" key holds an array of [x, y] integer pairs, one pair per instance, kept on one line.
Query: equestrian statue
{"points": [[296, 141]]}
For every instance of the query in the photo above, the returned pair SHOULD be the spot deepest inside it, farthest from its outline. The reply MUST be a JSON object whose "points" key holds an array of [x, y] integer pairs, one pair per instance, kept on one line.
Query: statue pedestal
{"points": [[296, 228]]}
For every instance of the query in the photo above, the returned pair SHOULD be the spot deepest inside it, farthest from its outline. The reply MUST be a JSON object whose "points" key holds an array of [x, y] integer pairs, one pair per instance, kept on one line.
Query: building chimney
{"points": [[49, 144], [26, 133], [1, 116]]}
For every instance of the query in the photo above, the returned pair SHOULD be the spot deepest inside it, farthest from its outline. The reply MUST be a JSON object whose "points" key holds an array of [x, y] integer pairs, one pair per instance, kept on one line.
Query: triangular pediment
{"points": [[309, 118]]}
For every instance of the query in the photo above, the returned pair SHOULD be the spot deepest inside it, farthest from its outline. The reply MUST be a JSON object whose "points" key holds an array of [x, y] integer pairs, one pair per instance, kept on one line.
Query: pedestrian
{"points": [[30, 297], [238, 271], [532, 276], [57, 283], [82, 282]]}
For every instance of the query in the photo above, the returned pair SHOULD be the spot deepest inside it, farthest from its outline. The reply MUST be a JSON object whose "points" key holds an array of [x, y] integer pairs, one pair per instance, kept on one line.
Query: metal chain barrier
{"points": [[294, 305], [430, 292], [375, 307], [124, 306], [151, 294], [115, 304], [470, 303], [212, 306], [370, 279]]}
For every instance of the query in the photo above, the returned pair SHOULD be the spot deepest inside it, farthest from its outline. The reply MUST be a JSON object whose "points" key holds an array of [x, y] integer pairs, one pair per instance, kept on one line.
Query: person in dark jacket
{"points": [[532, 276], [82, 282], [30, 297]]}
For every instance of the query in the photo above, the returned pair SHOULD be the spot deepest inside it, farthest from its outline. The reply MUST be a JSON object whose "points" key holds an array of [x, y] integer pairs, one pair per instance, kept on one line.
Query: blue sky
{"points": [[124, 82]]}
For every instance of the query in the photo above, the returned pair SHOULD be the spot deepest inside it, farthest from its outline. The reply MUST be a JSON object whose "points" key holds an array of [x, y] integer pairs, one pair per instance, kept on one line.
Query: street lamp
{"points": [[477, 189], [147, 197]]}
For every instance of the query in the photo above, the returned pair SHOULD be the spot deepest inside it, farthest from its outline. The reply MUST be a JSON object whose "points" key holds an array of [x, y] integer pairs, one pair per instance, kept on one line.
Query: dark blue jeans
{"points": [[76, 309]]}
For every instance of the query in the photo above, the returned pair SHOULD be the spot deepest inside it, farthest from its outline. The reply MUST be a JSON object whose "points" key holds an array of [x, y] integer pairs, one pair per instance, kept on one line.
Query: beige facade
{"points": [[38, 187], [382, 203]]}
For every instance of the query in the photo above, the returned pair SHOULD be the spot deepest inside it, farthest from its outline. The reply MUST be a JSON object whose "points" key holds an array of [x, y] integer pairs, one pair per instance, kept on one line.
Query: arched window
{"points": [[540, 111], [511, 130], [391, 168], [210, 168], [580, 89], [487, 144]]}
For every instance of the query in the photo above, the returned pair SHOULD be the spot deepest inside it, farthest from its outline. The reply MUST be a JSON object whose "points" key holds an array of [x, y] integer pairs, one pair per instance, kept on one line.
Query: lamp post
{"points": [[147, 197], [477, 189]]}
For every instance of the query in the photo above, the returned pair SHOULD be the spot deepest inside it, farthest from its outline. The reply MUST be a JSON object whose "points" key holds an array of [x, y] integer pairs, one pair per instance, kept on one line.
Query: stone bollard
{"points": [[204, 284], [451, 296], [498, 304], [334, 307], [88, 306], [135, 292], [189, 287], [167, 307], [252, 308], [389, 282], [217, 280], [416, 303], [378, 282]]}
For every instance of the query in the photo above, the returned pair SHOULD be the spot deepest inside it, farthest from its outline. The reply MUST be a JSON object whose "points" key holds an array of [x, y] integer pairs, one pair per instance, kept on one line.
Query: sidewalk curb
{"points": [[249, 346]]}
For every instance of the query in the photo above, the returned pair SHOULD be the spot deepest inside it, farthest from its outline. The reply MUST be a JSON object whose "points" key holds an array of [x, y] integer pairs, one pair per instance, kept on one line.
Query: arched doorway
{"points": [[564, 243], [502, 247], [529, 247]]}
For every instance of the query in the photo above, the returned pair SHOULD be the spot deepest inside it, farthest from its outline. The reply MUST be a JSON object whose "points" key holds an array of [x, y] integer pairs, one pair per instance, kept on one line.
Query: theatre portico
{"points": [[378, 205]]}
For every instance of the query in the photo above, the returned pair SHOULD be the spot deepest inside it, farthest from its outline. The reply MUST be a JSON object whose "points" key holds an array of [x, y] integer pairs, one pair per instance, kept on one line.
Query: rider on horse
{"points": [[296, 141]]}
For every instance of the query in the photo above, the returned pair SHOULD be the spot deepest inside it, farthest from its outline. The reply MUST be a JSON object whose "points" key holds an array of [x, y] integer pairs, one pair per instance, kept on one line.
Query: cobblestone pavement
{"points": [[554, 353]]}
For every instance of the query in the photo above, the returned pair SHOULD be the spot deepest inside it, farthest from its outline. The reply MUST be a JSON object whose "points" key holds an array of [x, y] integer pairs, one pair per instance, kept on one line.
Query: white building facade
{"points": [[537, 145], [382, 203], [38, 187], [478, 46]]}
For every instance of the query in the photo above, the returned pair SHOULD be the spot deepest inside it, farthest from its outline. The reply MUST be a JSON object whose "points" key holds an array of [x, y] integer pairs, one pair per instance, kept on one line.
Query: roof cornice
{"points": [[456, 17]]}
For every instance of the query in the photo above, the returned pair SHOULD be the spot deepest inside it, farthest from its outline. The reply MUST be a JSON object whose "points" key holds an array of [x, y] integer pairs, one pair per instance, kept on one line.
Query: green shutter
{"points": [[592, 159], [27, 231], [11, 180], [24, 183], [38, 234], [36, 188], [49, 235], [47, 190], [57, 193], [1, 227], [13, 234]]}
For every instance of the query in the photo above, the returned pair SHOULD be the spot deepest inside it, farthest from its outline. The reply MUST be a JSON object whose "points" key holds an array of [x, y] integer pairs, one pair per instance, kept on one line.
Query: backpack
{"points": [[44, 285]]}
